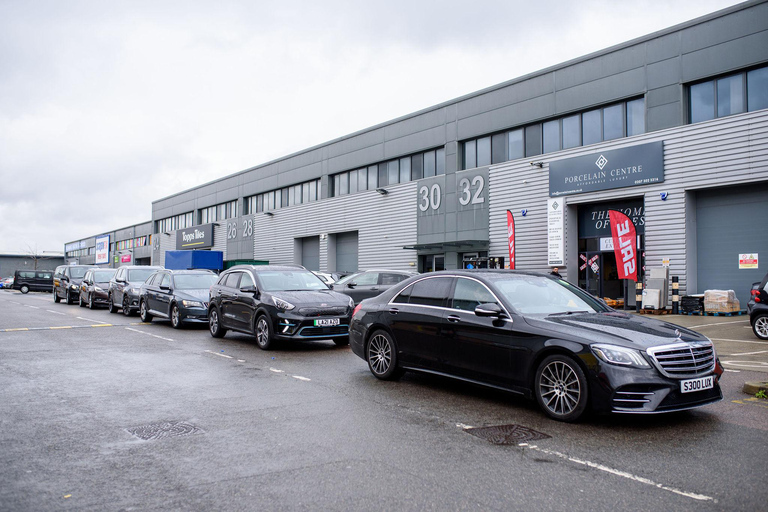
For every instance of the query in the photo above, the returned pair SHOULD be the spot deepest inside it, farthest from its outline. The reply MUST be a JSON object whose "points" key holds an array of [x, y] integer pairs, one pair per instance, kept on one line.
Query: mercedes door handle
{"points": [[454, 318], [393, 311]]}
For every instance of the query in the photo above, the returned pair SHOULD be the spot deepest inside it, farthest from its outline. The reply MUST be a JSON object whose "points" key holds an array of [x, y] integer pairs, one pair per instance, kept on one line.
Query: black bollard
{"points": [[639, 295], [675, 295]]}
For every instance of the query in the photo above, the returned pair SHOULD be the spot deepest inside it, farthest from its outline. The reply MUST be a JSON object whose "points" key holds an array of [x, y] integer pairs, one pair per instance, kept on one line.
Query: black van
{"points": [[33, 280]]}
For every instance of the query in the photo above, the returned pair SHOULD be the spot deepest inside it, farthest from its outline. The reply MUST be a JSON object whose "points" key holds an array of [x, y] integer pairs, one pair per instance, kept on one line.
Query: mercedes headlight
{"points": [[621, 356], [282, 304], [74, 286], [191, 304], [98, 289]]}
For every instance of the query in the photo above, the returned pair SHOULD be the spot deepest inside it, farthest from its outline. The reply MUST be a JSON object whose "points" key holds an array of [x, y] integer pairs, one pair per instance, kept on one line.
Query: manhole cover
{"points": [[164, 429], [506, 434]]}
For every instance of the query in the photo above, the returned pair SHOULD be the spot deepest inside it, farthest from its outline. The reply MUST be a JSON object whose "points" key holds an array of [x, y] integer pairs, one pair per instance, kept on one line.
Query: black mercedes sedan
{"points": [[178, 295], [276, 303], [537, 336]]}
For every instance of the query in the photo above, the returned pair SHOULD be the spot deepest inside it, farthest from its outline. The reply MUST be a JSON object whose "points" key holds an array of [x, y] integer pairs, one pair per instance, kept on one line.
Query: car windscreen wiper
{"points": [[568, 313]]}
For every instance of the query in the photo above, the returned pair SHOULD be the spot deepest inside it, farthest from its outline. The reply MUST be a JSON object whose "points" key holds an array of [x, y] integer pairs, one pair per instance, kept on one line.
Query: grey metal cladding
{"points": [[419, 123], [663, 96], [507, 117], [724, 57], [664, 116], [516, 92], [144, 229], [602, 90], [664, 73], [353, 160], [613, 63], [663, 48], [434, 137], [725, 28], [356, 142]]}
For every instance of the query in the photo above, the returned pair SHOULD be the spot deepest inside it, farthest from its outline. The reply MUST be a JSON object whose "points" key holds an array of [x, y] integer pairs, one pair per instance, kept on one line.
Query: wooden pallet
{"points": [[655, 311], [717, 313]]}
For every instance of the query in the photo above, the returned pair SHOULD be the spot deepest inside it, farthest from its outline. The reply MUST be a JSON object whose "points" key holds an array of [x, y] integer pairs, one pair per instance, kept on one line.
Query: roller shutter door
{"points": [[731, 221], [346, 252], [310, 252]]}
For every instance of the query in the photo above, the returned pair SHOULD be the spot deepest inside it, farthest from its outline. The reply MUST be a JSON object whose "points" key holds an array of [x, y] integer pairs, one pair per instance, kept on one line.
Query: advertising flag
{"points": [[511, 239], [624, 244]]}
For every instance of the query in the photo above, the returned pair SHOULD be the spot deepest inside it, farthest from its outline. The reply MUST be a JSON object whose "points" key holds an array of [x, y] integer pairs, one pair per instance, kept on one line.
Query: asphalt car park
{"points": [[106, 412]]}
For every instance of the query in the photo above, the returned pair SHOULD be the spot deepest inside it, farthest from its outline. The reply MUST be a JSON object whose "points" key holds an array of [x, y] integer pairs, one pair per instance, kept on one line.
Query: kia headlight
{"points": [[191, 304], [620, 356], [74, 286], [283, 305]]}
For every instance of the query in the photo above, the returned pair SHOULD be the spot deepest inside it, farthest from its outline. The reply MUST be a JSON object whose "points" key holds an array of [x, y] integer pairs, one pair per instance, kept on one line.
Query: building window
{"points": [[391, 172], [728, 95], [283, 197], [182, 221], [607, 123]]}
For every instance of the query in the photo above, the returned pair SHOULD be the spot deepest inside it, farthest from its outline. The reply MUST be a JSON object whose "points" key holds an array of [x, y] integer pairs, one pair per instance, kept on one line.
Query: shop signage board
{"points": [[617, 168], [555, 232], [748, 261], [102, 250], [198, 237], [125, 258]]}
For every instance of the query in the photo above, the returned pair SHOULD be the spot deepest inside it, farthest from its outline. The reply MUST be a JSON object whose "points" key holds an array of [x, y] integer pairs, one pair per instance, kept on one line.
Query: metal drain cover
{"points": [[164, 429], [506, 434]]}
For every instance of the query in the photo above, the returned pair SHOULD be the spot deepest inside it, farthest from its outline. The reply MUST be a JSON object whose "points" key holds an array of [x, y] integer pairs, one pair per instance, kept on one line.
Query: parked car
{"points": [[537, 336], [32, 280], [369, 283], [66, 282], [93, 287], [757, 307], [326, 277], [178, 295], [276, 303], [6, 282], [124, 288]]}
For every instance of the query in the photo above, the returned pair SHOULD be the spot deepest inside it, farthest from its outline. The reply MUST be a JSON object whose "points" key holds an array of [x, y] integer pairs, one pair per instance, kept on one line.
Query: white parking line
{"points": [[616, 472], [148, 334], [276, 370], [218, 354], [56, 312], [710, 325], [301, 378], [749, 353], [28, 306], [741, 341], [89, 320], [623, 474]]}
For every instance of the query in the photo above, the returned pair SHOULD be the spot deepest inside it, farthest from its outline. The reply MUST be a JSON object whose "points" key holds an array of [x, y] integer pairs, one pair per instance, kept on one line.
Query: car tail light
{"points": [[757, 299], [357, 308]]}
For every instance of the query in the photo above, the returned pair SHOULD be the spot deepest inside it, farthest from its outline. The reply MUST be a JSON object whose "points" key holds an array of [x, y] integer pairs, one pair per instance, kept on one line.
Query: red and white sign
{"points": [[511, 239], [125, 258], [624, 236], [748, 260]]}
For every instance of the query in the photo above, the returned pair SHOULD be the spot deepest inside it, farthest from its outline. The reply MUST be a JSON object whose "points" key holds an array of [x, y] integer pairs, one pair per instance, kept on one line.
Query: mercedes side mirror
{"points": [[489, 310]]}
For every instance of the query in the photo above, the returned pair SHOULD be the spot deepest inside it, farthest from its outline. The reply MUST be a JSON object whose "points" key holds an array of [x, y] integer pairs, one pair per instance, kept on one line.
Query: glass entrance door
{"points": [[590, 269], [432, 262]]}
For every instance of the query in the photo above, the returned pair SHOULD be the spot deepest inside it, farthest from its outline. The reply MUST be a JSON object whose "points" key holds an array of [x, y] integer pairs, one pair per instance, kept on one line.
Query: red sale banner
{"points": [[511, 239], [624, 245]]}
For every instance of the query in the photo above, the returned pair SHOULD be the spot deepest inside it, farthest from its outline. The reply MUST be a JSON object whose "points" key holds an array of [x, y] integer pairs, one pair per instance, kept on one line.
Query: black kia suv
{"points": [[276, 303]]}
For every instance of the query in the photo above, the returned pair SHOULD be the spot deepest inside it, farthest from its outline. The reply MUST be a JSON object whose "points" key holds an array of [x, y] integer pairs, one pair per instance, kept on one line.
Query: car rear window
{"points": [[194, 281]]}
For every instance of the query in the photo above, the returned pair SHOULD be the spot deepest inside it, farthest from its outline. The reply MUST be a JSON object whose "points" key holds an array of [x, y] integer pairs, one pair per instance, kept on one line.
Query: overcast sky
{"points": [[106, 106]]}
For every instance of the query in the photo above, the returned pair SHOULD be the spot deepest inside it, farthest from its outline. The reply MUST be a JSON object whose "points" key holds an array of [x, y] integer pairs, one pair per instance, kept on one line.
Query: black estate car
{"points": [[93, 287], [278, 303], [757, 307], [66, 282], [124, 288], [537, 336], [180, 295], [369, 283]]}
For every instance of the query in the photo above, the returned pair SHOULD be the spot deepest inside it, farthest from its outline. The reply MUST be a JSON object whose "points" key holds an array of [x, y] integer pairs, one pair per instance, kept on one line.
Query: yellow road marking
{"points": [[63, 327], [752, 401], [18, 329]]}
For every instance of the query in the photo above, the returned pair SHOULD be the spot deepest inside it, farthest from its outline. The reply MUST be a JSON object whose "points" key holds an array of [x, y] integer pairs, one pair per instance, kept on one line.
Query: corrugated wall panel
{"points": [[385, 224], [220, 237], [717, 153]]}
